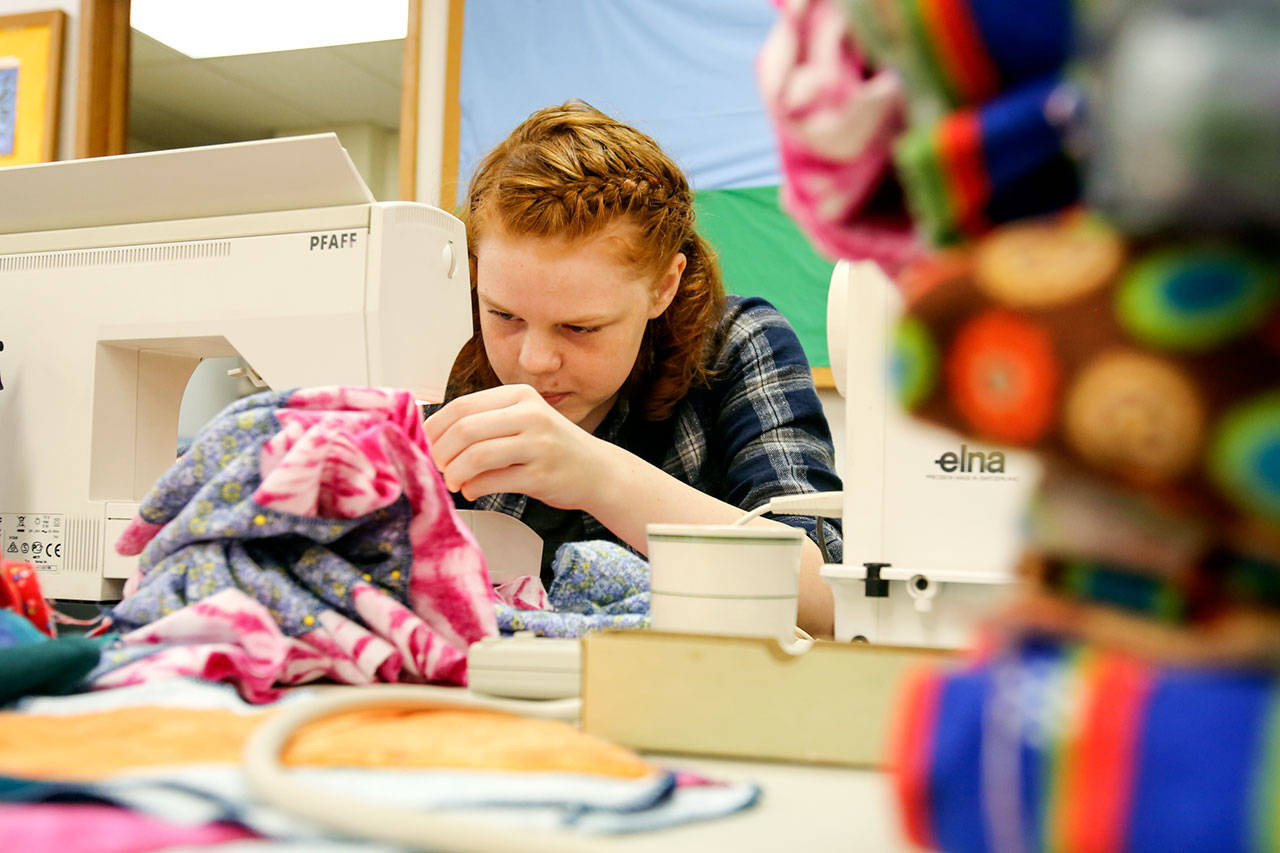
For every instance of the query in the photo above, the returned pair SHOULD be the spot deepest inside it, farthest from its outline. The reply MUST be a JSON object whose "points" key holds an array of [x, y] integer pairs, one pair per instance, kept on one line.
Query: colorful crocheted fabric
{"points": [[1148, 377], [953, 53], [992, 113], [996, 162], [304, 534], [1128, 700]]}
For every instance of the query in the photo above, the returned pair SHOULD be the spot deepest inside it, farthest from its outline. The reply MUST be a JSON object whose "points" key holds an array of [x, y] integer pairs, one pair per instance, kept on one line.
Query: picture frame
{"points": [[31, 52]]}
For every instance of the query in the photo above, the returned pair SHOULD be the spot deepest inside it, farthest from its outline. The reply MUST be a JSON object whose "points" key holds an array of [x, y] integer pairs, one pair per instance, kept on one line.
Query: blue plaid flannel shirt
{"points": [[756, 433]]}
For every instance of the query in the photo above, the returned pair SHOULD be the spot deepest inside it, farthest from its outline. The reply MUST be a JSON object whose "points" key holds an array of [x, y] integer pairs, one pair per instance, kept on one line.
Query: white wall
{"points": [[136, 146], [70, 55], [375, 152]]}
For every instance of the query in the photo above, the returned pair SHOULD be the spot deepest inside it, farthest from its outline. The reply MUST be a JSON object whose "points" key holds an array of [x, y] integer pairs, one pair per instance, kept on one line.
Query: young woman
{"points": [[611, 383]]}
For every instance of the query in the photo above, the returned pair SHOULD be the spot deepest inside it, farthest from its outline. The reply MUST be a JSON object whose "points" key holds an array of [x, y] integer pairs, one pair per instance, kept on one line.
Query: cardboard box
{"points": [[743, 697]]}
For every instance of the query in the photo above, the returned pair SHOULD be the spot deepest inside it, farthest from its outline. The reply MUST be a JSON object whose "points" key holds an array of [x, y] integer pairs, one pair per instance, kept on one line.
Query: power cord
{"points": [[821, 505]]}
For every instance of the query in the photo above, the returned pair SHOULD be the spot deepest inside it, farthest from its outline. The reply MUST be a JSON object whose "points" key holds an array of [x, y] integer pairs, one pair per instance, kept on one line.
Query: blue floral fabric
{"points": [[597, 585]]}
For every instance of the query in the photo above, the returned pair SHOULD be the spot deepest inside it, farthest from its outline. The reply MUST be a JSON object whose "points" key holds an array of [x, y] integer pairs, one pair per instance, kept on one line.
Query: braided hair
{"points": [[567, 172]]}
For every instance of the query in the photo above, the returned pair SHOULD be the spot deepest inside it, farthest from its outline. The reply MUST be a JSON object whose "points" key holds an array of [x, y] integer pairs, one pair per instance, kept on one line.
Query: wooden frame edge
{"points": [[452, 107], [410, 95], [102, 78], [410, 71], [57, 56]]}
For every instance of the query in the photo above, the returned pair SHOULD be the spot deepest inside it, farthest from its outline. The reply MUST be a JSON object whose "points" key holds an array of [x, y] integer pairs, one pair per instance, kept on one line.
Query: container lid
{"points": [[689, 532]]}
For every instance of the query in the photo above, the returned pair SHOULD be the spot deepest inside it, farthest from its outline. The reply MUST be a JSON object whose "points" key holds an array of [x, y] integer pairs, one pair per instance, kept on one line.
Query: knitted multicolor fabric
{"points": [[1148, 377], [990, 110], [1128, 700], [997, 162], [304, 534], [963, 52], [1119, 567], [1053, 746]]}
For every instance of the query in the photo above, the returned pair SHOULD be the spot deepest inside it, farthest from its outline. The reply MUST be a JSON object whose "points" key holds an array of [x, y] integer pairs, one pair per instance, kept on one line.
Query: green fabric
{"points": [[16, 629], [16, 789], [764, 253], [52, 667]]}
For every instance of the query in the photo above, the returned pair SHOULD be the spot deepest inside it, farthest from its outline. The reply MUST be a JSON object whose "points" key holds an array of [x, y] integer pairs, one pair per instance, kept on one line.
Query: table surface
{"points": [[802, 808]]}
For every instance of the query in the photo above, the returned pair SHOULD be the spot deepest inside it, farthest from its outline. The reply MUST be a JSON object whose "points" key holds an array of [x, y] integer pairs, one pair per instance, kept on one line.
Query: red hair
{"points": [[569, 171]]}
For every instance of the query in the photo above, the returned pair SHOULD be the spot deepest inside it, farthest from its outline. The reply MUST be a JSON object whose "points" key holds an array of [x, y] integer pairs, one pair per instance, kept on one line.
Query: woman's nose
{"points": [[538, 353]]}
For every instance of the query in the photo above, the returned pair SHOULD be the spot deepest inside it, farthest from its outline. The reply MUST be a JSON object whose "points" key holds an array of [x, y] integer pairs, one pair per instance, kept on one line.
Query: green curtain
{"points": [[763, 253]]}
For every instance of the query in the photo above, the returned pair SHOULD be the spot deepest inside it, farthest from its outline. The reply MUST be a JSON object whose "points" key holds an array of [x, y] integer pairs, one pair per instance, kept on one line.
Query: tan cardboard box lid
{"points": [[744, 697]]}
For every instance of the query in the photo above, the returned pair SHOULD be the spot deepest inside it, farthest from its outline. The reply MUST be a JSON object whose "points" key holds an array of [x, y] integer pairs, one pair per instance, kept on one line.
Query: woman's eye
{"points": [[501, 315], [583, 330]]}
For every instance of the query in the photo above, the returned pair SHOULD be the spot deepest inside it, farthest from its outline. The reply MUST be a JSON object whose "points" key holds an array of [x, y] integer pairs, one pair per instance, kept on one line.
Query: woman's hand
{"points": [[509, 439]]}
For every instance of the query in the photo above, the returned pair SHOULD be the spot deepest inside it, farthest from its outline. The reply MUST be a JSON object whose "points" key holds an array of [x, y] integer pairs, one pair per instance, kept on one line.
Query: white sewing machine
{"points": [[932, 521], [118, 274]]}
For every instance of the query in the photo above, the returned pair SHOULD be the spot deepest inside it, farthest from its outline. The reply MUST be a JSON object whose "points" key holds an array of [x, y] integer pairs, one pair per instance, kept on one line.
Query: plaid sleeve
{"points": [[774, 434]]}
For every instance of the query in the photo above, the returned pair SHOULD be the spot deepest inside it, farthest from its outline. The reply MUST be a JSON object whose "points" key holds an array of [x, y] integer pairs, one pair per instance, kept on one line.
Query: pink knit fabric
{"points": [[93, 828]]}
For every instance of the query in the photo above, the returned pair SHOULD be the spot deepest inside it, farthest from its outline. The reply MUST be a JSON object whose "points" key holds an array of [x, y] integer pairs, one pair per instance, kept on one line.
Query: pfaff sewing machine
{"points": [[932, 522], [119, 274]]}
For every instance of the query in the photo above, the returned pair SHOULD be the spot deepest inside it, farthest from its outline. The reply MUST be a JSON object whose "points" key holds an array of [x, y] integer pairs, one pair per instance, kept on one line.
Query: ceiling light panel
{"points": [[235, 27]]}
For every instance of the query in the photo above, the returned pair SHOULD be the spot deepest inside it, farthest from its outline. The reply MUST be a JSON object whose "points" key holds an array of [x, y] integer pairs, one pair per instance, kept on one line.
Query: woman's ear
{"points": [[668, 285]]}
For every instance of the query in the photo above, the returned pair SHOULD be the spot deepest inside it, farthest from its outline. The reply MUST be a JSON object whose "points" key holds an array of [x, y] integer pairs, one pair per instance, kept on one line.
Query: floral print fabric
{"points": [[597, 585]]}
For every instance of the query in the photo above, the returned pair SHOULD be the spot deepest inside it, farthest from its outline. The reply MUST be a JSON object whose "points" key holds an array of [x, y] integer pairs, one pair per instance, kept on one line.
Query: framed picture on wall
{"points": [[30, 86]]}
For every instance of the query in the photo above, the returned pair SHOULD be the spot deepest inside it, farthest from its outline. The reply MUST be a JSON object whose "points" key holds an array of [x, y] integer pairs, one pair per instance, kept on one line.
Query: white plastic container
{"points": [[719, 579]]}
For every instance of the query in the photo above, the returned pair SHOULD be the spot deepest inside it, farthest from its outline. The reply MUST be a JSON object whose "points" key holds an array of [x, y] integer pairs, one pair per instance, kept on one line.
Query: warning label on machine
{"points": [[33, 538]]}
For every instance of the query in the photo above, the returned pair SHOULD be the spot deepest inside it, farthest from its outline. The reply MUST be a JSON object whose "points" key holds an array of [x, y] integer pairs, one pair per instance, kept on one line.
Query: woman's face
{"points": [[566, 318]]}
